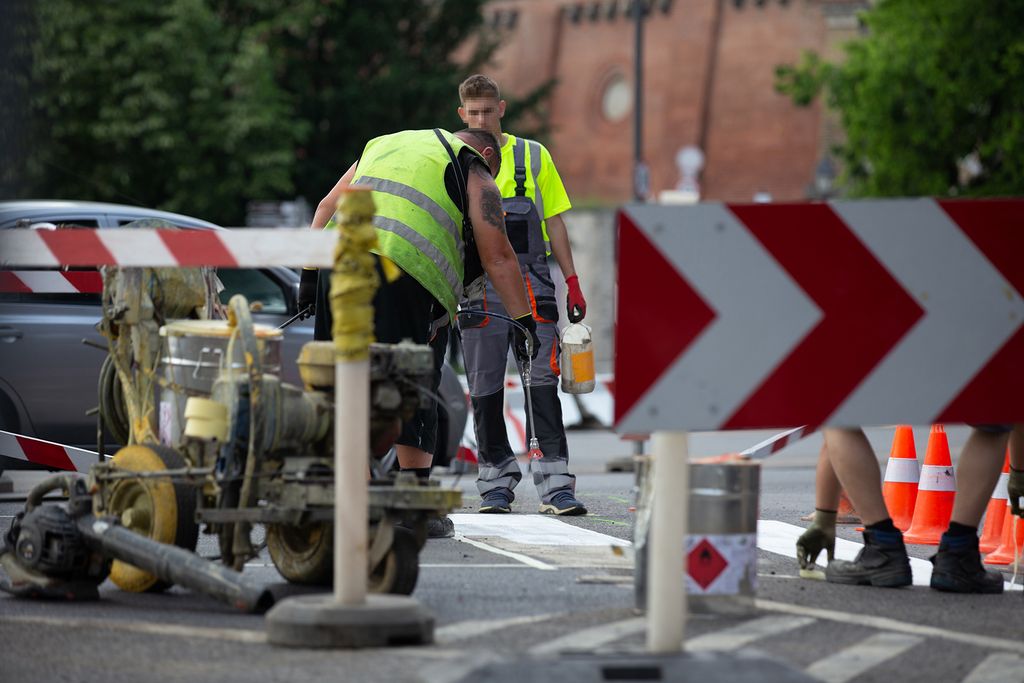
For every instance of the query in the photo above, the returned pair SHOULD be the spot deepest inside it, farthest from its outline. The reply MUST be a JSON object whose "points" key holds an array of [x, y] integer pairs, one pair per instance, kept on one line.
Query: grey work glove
{"points": [[1015, 491], [820, 535]]}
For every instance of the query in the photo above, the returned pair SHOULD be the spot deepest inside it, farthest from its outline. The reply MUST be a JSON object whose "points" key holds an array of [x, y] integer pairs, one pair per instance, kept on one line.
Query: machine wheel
{"points": [[154, 508], [303, 553], [398, 571]]}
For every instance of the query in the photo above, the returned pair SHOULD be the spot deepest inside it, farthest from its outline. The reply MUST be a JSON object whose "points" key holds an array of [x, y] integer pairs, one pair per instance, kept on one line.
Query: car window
{"points": [[256, 285]]}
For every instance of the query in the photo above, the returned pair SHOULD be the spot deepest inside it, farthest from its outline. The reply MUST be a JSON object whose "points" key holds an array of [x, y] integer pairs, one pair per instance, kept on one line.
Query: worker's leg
{"points": [[855, 465], [883, 560], [957, 563], [485, 345]]}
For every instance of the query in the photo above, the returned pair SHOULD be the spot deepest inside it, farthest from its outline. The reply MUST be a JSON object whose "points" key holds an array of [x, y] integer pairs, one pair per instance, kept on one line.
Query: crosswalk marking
{"points": [[477, 627], [591, 638], [852, 661], [998, 668], [745, 633], [518, 557], [541, 530], [887, 624]]}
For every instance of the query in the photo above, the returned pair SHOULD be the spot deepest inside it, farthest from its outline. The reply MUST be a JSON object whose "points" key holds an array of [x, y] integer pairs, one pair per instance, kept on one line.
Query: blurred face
{"points": [[483, 112]]}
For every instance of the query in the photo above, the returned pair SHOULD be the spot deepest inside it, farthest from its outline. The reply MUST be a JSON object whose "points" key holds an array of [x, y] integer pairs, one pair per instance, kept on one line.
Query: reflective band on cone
{"points": [[901, 477], [995, 514], [1012, 526], [935, 492]]}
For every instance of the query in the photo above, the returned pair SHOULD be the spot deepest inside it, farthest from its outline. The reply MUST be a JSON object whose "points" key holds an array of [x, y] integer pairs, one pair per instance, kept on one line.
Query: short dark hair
{"points": [[478, 85], [483, 137]]}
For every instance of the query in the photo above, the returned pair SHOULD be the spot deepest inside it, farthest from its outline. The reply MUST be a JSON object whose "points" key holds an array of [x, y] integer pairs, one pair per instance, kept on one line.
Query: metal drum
{"points": [[194, 354], [721, 546], [721, 539]]}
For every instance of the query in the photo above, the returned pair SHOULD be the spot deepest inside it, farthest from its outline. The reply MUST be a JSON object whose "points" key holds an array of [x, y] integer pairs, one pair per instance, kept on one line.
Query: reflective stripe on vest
{"points": [[538, 199], [419, 199]]}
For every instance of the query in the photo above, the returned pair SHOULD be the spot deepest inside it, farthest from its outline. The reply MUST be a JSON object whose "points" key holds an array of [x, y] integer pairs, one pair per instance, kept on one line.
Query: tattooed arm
{"points": [[496, 254]]}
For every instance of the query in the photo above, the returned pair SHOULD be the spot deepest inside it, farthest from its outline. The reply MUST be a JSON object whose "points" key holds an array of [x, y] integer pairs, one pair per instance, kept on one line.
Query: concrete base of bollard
{"points": [[319, 621], [698, 667]]}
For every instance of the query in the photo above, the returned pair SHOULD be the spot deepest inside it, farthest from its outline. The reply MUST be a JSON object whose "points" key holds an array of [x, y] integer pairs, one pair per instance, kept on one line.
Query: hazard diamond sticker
{"points": [[705, 563]]}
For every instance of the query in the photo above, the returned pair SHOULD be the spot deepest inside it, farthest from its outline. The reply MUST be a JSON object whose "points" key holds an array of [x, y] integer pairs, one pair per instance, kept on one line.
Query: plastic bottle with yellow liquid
{"points": [[577, 364]]}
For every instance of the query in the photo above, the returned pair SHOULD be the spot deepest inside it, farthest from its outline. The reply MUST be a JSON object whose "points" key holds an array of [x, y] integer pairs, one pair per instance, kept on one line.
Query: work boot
{"points": [[440, 527], [563, 503], [496, 502], [957, 568], [882, 562]]}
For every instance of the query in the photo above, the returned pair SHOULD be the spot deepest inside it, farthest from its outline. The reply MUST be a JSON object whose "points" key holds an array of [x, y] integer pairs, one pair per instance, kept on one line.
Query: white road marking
{"points": [[456, 670], [472, 628], [852, 661], [531, 530], [998, 668], [141, 627], [518, 557], [886, 624], [745, 633], [780, 538], [466, 565], [590, 638]]}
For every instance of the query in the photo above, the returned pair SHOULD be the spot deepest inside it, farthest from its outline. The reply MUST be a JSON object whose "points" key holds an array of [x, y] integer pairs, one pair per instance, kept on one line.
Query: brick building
{"points": [[708, 74]]}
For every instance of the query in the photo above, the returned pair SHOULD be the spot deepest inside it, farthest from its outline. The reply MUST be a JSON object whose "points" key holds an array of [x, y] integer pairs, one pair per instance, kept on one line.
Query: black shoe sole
{"points": [[948, 583], [887, 580]]}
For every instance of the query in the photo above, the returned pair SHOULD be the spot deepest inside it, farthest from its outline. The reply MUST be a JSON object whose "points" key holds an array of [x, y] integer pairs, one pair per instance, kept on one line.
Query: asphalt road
{"points": [[508, 598]]}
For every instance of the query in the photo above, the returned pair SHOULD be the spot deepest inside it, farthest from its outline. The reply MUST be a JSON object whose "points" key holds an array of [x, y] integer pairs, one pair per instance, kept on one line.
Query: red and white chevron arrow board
{"points": [[248, 248], [45, 454], [847, 313]]}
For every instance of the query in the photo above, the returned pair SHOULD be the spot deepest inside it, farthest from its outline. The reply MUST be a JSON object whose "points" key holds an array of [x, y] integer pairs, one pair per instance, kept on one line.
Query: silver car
{"points": [[51, 353]]}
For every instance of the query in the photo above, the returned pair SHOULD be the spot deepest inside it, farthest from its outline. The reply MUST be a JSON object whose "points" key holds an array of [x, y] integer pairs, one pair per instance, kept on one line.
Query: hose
{"points": [[112, 405]]}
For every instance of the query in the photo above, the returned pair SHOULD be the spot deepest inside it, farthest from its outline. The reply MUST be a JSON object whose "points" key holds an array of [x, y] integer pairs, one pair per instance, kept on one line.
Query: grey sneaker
{"points": [[882, 562], [440, 527], [496, 502], [959, 571], [563, 503]]}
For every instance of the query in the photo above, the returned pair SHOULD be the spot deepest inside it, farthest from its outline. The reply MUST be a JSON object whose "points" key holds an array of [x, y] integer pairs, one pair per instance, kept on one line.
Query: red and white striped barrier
{"points": [[46, 454], [774, 444], [51, 282], [249, 248]]}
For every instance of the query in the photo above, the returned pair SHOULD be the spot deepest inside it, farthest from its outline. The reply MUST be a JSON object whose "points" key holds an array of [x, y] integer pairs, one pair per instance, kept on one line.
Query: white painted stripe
{"points": [[532, 530], [776, 443], [937, 478], [24, 248], [142, 247], [1000, 492], [780, 538], [998, 668], [902, 471], [518, 557], [143, 627], [464, 565], [276, 247], [473, 628], [456, 670], [886, 624], [852, 661], [10, 447], [590, 639], [745, 633], [721, 367], [963, 325], [48, 281]]}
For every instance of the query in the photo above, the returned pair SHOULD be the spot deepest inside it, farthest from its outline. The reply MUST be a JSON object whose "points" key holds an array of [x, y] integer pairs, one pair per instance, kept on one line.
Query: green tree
{"points": [[200, 105], [932, 83]]}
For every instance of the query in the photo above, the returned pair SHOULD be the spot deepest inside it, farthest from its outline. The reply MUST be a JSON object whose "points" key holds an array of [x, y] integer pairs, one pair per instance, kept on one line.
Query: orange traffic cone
{"points": [[995, 514], [1009, 546], [935, 492], [901, 477]]}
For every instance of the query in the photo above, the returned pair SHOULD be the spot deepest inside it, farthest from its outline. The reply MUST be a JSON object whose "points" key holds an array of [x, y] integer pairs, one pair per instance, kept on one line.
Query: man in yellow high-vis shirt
{"points": [[534, 200]]}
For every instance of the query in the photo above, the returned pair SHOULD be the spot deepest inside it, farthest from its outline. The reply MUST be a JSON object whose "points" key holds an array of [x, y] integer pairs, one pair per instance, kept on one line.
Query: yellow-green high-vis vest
{"points": [[418, 226]]}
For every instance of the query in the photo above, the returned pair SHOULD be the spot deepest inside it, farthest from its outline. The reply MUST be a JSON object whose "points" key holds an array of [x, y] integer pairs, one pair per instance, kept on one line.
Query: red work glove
{"points": [[575, 304]]}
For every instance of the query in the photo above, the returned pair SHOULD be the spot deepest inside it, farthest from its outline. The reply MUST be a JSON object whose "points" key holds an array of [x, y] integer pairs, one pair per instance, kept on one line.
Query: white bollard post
{"points": [[351, 496], [666, 561]]}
